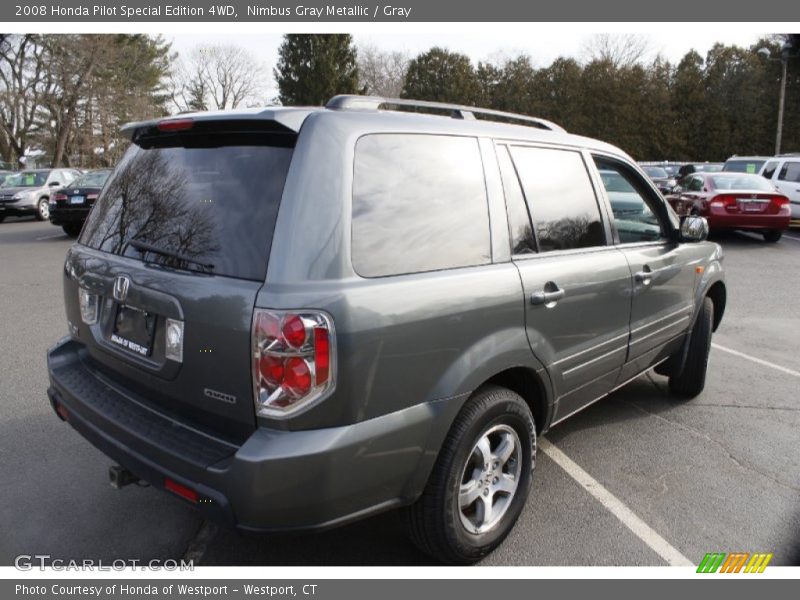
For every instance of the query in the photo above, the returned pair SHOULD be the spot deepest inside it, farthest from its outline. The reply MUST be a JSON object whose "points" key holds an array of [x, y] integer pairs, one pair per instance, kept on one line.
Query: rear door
{"points": [[662, 271], [576, 285], [181, 234], [787, 180]]}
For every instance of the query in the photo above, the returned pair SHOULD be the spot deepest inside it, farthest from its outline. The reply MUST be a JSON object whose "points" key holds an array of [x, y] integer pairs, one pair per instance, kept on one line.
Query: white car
{"points": [[784, 173]]}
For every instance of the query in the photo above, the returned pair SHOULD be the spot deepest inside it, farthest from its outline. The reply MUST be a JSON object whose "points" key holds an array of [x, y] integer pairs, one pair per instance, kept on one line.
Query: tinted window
{"points": [[695, 184], [656, 172], [92, 179], [213, 200], [769, 169], [634, 217], [520, 229], [560, 197], [790, 172], [27, 179], [743, 166], [419, 204]]}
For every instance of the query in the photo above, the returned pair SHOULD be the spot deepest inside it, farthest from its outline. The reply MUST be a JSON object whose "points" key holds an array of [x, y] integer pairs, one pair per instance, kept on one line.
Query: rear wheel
{"points": [[43, 209], [71, 229], [772, 235], [692, 379], [480, 482], [2, 218]]}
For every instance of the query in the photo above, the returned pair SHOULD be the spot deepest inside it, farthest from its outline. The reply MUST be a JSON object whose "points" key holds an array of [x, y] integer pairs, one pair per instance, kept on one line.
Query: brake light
{"points": [[91, 196], [292, 360], [169, 125], [181, 490], [58, 197], [724, 201]]}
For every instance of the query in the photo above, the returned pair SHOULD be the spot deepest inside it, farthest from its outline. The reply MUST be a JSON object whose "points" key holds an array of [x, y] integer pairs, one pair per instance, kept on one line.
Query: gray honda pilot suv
{"points": [[293, 318]]}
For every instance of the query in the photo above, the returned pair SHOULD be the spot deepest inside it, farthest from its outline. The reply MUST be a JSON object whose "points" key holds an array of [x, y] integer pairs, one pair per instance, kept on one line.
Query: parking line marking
{"points": [[50, 237], [791, 237], [616, 507], [758, 361]]}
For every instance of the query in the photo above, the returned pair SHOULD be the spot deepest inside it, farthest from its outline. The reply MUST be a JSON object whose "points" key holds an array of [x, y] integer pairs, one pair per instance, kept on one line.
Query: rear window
{"points": [[209, 203], [743, 166], [742, 182], [419, 204]]}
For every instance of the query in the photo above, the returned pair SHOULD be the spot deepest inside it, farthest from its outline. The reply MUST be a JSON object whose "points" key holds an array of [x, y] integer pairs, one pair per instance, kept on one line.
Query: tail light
{"points": [[90, 306], [91, 197], [780, 204], [169, 125], [293, 360], [59, 197], [724, 201]]}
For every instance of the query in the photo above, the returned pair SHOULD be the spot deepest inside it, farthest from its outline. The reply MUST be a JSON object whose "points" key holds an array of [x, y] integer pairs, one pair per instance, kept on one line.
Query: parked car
{"points": [[663, 180], [5, 175], [28, 192], [784, 173], [690, 168], [70, 205], [734, 201], [294, 318], [745, 164]]}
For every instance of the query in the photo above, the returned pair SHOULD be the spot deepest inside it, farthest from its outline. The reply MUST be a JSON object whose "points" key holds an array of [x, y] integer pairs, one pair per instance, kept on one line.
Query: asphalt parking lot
{"points": [[718, 474]]}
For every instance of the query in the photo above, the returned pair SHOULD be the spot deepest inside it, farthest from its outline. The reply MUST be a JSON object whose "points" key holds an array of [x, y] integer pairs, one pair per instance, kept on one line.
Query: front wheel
{"points": [[480, 481], [692, 379], [43, 209], [773, 235]]}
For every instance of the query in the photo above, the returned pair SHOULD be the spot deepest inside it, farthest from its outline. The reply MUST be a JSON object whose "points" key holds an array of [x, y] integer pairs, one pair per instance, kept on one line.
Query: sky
{"points": [[543, 44]]}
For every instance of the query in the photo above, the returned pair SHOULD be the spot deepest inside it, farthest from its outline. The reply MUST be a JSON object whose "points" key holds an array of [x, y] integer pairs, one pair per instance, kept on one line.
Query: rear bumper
{"points": [[720, 219], [60, 216], [277, 480]]}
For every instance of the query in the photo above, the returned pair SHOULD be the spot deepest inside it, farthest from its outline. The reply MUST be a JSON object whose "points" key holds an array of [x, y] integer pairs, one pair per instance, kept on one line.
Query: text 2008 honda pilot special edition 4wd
{"points": [[298, 317]]}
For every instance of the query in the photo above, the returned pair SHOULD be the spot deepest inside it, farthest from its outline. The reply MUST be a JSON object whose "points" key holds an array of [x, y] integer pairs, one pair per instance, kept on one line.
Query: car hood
{"points": [[15, 190]]}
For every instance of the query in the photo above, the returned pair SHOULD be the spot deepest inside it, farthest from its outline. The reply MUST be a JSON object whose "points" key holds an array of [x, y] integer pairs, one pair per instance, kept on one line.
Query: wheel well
{"points": [[719, 296], [526, 383]]}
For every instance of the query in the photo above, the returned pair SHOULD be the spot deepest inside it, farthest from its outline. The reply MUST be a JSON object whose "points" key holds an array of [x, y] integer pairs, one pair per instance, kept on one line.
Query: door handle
{"points": [[645, 276], [547, 297]]}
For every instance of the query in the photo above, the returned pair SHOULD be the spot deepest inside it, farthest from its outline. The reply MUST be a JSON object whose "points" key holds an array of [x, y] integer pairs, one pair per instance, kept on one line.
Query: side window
{"points": [[419, 204], [632, 205], [560, 197], [790, 172], [520, 229], [769, 169]]}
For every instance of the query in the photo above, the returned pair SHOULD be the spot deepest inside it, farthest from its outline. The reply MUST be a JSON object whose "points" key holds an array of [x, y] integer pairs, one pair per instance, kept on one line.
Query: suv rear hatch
{"points": [[180, 239]]}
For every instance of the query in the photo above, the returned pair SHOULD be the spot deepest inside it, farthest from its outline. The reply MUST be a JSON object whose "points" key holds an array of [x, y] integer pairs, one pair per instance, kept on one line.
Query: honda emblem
{"points": [[121, 285]]}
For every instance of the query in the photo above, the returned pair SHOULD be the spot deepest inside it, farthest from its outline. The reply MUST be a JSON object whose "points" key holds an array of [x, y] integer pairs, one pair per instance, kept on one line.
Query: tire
{"points": [[772, 235], [692, 379], [2, 218], [42, 209], [436, 522], [72, 229]]}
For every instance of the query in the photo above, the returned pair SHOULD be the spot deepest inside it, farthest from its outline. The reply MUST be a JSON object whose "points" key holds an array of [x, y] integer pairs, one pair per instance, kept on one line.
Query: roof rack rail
{"points": [[457, 111]]}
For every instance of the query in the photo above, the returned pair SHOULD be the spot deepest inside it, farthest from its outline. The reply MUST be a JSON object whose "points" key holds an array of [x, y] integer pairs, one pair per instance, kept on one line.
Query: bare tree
{"points": [[620, 49], [380, 72], [217, 77], [26, 81]]}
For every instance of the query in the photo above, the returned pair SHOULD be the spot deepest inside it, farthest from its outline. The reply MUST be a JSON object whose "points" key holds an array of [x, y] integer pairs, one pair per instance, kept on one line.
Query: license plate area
{"points": [[76, 199], [752, 205], [134, 329]]}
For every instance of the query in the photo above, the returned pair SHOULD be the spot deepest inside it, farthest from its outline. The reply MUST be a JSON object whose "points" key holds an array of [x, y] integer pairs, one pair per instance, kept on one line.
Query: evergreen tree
{"points": [[313, 68]]}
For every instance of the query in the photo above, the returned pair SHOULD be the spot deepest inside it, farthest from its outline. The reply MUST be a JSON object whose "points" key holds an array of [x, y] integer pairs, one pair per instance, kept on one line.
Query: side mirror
{"points": [[54, 184], [693, 229]]}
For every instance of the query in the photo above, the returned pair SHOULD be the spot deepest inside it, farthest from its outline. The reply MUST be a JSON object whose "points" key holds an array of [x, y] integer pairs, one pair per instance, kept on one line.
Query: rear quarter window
{"points": [[419, 204]]}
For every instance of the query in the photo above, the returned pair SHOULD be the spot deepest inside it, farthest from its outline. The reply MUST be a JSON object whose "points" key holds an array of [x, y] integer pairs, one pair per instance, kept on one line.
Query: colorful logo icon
{"points": [[736, 562]]}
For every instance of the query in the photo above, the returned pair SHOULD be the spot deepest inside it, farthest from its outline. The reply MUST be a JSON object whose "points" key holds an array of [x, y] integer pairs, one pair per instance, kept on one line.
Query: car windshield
{"points": [[744, 166], [26, 179], [741, 182], [614, 182], [94, 179], [656, 172]]}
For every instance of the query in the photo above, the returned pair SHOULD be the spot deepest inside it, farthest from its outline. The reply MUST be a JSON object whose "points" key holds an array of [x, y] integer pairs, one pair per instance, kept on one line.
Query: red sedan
{"points": [[734, 201]]}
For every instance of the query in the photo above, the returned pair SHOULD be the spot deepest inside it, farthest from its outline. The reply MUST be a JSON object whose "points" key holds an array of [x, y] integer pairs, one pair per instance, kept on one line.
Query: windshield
{"points": [[213, 200], [742, 182], [656, 172], [26, 179], [744, 166], [93, 179]]}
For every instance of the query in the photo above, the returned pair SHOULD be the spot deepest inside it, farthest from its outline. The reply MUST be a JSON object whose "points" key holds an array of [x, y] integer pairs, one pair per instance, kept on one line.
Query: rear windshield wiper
{"points": [[145, 247]]}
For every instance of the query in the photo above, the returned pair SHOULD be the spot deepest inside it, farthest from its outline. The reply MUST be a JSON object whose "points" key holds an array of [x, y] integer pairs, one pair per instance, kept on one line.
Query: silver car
{"points": [[28, 192]]}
